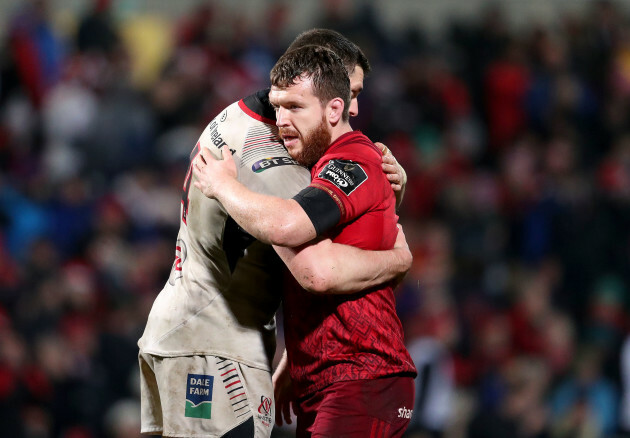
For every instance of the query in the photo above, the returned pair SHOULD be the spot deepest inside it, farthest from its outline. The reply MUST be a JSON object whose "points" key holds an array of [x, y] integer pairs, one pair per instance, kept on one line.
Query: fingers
{"points": [[401, 234], [201, 161], [198, 171], [383, 148], [389, 159], [394, 180], [205, 155], [283, 412], [278, 413], [286, 412], [391, 170]]}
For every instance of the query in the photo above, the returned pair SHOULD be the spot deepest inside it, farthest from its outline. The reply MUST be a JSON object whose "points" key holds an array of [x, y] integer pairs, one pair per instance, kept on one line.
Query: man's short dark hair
{"points": [[324, 68], [349, 52]]}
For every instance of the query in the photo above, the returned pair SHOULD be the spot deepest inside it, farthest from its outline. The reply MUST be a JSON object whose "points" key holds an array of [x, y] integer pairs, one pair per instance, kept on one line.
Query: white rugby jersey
{"points": [[224, 287]]}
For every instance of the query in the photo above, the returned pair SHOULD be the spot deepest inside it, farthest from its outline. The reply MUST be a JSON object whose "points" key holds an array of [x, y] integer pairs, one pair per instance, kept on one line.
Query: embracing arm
{"points": [[395, 173], [331, 268], [269, 219]]}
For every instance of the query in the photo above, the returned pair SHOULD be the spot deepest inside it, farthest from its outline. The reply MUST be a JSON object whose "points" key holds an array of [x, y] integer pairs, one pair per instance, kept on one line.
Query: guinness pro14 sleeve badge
{"points": [[347, 175]]}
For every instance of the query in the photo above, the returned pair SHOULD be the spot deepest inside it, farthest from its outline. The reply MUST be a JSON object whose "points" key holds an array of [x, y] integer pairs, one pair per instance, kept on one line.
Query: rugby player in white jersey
{"points": [[206, 352]]}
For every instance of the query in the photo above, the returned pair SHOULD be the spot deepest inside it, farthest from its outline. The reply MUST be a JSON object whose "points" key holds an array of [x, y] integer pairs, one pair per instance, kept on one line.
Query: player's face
{"points": [[301, 120], [356, 86]]}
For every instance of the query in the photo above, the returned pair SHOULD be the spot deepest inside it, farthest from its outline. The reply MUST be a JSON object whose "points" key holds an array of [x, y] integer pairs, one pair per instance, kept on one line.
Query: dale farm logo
{"points": [[199, 396]]}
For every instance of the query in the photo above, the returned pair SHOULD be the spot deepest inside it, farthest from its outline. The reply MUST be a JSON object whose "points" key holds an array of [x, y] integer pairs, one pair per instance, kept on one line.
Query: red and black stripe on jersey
{"points": [[257, 106]]}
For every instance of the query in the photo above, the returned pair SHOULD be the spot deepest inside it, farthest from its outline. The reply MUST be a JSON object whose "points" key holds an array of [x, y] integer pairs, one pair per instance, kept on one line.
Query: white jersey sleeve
{"points": [[224, 287]]}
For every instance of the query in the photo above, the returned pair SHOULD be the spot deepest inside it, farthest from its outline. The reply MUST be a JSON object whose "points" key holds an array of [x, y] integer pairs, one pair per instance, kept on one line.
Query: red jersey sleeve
{"points": [[351, 184], [347, 182]]}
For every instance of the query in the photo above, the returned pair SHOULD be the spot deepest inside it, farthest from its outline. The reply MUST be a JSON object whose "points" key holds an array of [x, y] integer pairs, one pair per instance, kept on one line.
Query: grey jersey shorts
{"points": [[204, 396]]}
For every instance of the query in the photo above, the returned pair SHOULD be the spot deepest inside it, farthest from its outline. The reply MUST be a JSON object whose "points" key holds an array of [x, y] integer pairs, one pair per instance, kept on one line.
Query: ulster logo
{"points": [[199, 396], [180, 258], [265, 405], [264, 411]]}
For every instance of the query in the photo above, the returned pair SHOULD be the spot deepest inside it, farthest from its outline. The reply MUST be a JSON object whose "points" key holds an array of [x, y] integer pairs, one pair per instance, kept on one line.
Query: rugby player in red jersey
{"points": [[346, 356]]}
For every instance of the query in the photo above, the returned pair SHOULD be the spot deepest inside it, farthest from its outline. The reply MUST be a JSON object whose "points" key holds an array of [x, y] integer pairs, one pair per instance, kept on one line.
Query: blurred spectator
{"points": [[624, 409], [433, 406], [36, 49], [97, 32], [585, 403], [521, 411], [506, 82]]}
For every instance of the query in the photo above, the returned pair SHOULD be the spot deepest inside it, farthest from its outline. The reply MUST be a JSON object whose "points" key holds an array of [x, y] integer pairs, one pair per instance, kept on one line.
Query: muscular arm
{"points": [[269, 219], [320, 268], [330, 268]]}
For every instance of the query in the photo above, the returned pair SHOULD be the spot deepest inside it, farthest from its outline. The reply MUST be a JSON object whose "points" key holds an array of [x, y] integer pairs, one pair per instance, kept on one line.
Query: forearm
{"points": [[269, 219], [329, 268]]}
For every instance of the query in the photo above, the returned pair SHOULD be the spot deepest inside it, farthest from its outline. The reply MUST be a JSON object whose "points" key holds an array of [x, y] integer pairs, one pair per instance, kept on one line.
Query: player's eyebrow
{"points": [[287, 102], [356, 90]]}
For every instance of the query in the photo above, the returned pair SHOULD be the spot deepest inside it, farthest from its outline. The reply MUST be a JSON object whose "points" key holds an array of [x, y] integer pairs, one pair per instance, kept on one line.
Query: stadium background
{"points": [[512, 120]]}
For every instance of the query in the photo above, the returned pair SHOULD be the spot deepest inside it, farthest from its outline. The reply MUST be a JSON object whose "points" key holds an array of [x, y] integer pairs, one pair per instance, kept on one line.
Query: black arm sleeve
{"points": [[321, 209]]}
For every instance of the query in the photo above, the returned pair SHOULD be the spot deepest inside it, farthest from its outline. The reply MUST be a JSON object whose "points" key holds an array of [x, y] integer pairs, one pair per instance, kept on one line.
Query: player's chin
{"points": [[297, 156], [293, 148]]}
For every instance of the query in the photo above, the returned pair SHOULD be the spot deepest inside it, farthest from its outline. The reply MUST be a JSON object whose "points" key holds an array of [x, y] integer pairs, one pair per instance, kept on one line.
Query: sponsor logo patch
{"points": [[268, 163], [215, 135], [404, 412], [264, 411], [347, 175], [199, 396]]}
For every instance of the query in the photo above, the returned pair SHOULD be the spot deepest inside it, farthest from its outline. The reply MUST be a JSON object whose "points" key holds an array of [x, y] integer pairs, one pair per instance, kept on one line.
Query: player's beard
{"points": [[314, 145]]}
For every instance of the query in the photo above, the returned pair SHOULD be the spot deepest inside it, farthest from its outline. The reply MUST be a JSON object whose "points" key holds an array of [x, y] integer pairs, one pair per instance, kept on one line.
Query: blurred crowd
{"points": [[516, 143]]}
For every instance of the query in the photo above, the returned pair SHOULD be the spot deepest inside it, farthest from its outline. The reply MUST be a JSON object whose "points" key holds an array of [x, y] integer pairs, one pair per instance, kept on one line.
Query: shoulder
{"points": [[353, 148], [257, 106], [237, 121], [357, 147]]}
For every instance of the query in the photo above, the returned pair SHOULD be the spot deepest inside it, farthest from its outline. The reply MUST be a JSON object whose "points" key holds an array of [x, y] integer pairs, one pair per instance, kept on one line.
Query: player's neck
{"points": [[339, 130]]}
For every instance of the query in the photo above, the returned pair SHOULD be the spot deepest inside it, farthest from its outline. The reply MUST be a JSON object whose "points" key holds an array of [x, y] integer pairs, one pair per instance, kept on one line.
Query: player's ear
{"points": [[334, 110]]}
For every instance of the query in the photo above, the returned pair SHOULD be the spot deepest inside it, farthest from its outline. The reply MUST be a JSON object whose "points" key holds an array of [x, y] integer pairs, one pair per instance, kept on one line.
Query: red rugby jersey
{"points": [[359, 336]]}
